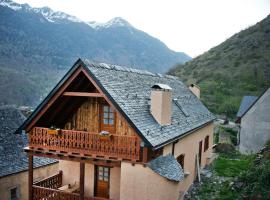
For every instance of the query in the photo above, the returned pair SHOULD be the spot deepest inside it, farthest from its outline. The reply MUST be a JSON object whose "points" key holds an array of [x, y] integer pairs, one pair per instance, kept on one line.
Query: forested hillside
{"points": [[239, 66]]}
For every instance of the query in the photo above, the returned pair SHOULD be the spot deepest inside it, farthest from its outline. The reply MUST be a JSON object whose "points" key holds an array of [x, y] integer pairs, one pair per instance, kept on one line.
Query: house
{"points": [[246, 103], [14, 162], [119, 133], [254, 120]]}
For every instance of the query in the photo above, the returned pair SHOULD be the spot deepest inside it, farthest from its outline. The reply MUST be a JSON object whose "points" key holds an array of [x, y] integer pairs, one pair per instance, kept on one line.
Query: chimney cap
{"points": [[161, 86]]}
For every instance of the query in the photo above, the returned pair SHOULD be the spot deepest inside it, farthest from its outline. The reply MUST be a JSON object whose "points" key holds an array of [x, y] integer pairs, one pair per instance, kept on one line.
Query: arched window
{"points": [[181, 160], [206, 143]]}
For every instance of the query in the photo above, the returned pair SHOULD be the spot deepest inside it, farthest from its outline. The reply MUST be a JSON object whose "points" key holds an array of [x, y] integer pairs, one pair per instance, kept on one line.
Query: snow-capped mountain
{"points": [[36, 44], [58, 16], [46, 12], [115, 22], [14, 5]]}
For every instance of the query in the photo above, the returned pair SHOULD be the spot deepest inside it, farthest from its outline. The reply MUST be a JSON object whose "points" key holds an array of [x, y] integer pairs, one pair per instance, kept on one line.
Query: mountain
{"points": [[37, 45], [239, 66]]}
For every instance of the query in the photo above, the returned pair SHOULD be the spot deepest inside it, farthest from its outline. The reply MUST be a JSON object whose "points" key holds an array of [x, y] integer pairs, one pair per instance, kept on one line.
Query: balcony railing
{"points": [[42, 193], [54, 181], [82, 142], [46, 189]]}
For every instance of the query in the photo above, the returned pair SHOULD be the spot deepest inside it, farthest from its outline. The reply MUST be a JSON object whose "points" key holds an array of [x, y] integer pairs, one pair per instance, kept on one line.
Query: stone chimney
{"points": [[161, 103], [195, 89]]}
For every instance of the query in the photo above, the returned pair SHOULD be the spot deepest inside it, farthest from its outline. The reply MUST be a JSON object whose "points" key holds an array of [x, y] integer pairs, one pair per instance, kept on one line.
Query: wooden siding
{"points": [[87, 118]]}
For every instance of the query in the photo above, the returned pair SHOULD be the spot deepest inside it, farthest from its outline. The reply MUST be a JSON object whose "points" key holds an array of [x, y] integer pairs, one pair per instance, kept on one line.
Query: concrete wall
{"points": [[255, 125], [71, 173], [20, 180]]}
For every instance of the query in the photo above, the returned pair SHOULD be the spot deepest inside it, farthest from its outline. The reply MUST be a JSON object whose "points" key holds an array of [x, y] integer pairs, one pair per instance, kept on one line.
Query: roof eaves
{"points": [[49, 96], [181, 136], [255, 101]]}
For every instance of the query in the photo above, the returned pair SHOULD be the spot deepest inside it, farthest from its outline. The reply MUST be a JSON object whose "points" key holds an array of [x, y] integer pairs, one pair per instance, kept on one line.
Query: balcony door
{"points": [[107, 119], [102, 181]]}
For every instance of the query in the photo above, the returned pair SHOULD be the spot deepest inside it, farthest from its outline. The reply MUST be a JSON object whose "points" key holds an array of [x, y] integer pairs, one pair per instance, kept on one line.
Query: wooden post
{"points": [[145, 153], [30, 176], [82, 168]]}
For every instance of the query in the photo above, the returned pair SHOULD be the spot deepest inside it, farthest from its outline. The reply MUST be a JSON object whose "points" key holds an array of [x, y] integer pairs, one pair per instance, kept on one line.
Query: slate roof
{"points": [[130, 90], [167, 167], [12, 157], [246, 103]]}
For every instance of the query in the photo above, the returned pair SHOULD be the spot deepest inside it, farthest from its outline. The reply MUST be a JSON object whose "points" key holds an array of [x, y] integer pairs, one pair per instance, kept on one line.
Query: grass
{"points": [[231, 167], [225, 171]]}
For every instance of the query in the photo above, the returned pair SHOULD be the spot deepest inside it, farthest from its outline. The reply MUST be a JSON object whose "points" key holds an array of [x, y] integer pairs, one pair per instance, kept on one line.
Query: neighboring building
{"points": [[119, 133], [246, 103], [254, 119], [195, 89], [13, 161]]}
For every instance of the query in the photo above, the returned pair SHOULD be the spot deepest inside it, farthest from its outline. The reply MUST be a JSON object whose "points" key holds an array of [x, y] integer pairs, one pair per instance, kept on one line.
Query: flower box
{"points": [[54, 131]]}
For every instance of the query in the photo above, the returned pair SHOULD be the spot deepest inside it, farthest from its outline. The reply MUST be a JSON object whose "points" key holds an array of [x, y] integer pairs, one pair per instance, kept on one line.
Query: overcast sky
{"points": [[190, 26]]}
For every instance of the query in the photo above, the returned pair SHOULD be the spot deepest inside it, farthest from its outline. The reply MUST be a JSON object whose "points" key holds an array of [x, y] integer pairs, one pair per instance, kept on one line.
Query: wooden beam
{"points": [[52, 100], [82, 173], [30, 176], [76, 158], [82, 94], [145, 155]]}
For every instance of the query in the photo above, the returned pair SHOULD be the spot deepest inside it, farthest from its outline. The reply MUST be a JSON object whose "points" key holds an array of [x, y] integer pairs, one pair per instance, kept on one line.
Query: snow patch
{"points": [[115, 22], [10, 4]]}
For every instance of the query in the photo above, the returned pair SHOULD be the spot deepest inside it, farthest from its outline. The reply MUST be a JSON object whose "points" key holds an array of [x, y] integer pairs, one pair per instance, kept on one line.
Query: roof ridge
{"points": [[126, 69]]}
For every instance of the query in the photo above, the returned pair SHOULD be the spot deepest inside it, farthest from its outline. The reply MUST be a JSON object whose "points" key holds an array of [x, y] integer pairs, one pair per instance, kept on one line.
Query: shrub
{"points": [[257, 181], [226, 149]]}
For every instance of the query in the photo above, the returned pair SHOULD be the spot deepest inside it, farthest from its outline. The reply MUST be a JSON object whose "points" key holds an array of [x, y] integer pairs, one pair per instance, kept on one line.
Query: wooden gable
{"points": [[76, 105]]}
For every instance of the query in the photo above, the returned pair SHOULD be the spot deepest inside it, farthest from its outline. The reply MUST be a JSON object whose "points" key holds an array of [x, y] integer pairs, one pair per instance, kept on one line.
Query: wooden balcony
{"points": [[47, 189], [87, 144]]}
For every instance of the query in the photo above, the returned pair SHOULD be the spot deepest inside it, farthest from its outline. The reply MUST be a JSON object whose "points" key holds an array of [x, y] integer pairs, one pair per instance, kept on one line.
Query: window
{"points": [[14, 194], [206, 143], [108, 115], [103, 173], [181, 160]]}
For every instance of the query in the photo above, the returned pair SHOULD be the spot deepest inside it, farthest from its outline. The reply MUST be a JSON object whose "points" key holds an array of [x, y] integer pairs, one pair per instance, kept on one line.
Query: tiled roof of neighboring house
{"points": [[130, 90], [12, 157], [168, 167], [246, 103]]}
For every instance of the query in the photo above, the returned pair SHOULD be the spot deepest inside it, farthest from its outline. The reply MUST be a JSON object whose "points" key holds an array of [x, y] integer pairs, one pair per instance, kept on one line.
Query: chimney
{"points": [[195, 89], [161, 103]]}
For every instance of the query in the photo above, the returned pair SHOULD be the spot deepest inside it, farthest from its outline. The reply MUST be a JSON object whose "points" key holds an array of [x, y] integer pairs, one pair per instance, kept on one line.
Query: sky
{"points": [[190, 26]]}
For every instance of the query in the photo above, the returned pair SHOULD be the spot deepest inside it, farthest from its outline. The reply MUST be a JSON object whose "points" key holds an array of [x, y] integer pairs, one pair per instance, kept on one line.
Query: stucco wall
{"points": [[71, 173], [115, 176], [255, 126], [189, 145], [139, 182], [21, 181]]}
